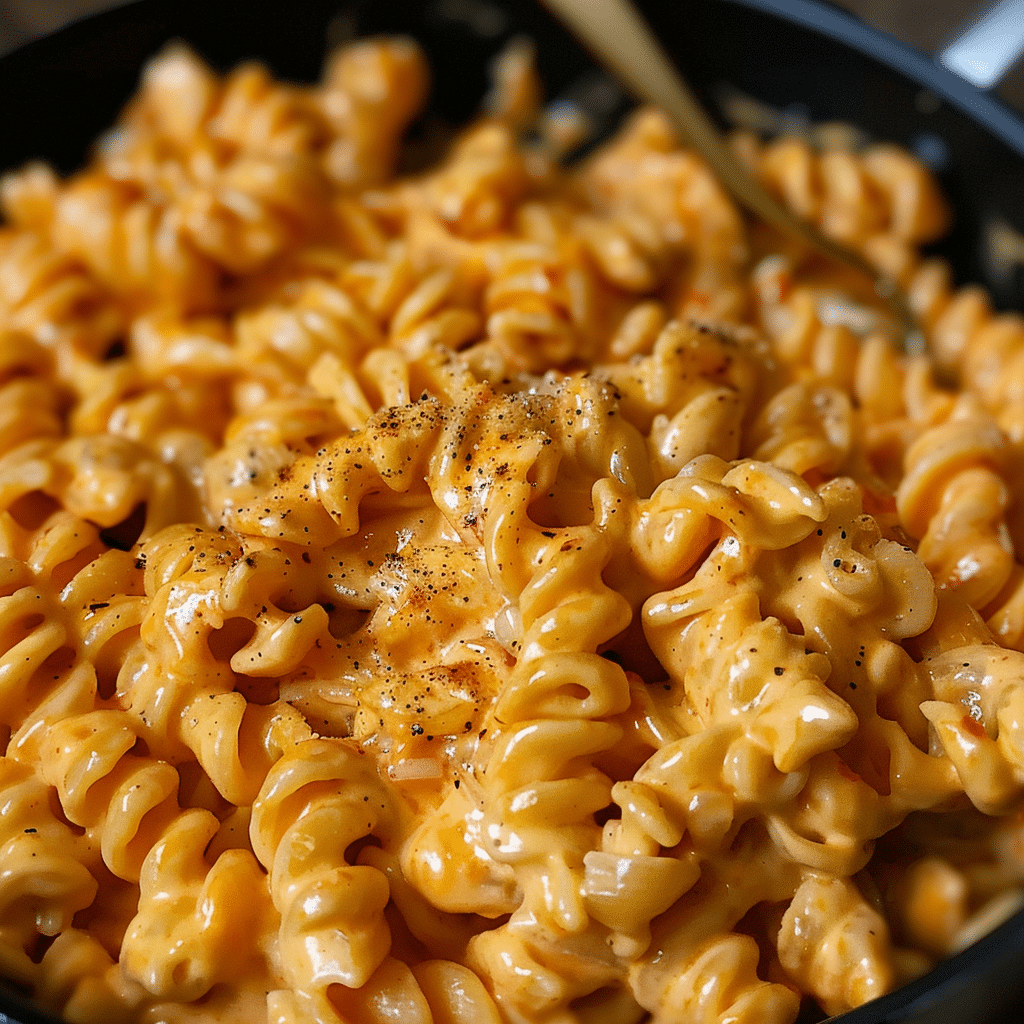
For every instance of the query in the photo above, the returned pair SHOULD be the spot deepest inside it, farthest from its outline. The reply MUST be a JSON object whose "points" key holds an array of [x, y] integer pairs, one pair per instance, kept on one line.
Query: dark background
{"points": [[925, 24]]}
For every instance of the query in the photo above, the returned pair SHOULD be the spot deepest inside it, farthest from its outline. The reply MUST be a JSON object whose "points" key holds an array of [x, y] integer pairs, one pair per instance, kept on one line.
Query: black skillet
{"points": [[799, 58]]}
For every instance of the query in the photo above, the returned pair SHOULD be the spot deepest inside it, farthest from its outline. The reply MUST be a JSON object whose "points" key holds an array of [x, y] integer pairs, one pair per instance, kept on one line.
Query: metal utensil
{"points": [[988, 48], [618, 36]]}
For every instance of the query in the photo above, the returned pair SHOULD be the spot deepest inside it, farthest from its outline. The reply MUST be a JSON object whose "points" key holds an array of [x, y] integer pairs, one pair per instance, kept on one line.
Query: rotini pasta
{"points": [[508, 593]]}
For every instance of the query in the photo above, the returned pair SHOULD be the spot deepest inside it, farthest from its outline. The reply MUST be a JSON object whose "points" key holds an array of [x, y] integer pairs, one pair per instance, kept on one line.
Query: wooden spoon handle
{"points": [[615, 32]]}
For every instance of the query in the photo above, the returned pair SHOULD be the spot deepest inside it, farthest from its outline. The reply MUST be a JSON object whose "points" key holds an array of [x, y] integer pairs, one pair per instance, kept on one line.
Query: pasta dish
{"points": [[516, 591]]}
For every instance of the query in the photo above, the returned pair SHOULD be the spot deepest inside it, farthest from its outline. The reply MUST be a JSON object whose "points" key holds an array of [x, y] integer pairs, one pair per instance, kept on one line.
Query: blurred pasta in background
{"points": [[505, 592]]}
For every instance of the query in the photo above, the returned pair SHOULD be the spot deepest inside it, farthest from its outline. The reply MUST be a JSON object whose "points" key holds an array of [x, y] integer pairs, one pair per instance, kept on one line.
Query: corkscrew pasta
{"points": [[509, 593]]}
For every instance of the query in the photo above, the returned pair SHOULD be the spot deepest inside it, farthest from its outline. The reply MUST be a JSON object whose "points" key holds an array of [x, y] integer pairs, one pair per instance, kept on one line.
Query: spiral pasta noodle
{"points": [[508, 593]]}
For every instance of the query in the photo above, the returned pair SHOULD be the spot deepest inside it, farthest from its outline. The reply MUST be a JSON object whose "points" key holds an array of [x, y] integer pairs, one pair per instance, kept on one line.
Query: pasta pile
{"points": [[506, 592]]}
